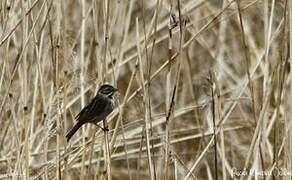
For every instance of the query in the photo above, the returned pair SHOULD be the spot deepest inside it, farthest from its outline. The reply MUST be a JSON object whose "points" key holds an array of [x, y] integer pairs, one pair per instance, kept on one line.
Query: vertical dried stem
{"points": [[82, 81], [145, 103]]}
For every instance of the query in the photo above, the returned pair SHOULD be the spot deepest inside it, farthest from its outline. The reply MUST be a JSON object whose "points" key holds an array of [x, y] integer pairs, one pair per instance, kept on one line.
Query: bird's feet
{"points": [[105, 129]]}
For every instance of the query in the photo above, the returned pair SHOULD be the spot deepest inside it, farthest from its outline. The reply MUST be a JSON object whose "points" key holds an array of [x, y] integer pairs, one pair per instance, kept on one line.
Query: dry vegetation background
{"points": [[204, 88]]}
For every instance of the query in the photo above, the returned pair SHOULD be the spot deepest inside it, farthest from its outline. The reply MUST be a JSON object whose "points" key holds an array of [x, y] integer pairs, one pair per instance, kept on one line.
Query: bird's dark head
{"points": [[107, 90]]}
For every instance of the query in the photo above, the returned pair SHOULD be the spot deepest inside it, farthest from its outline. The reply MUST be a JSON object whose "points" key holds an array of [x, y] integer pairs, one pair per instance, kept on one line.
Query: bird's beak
{"points": [[116, 89]]}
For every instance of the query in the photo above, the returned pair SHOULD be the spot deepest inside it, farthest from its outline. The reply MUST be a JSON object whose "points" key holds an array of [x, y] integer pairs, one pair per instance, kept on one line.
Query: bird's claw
{"points": [[102, 128]]}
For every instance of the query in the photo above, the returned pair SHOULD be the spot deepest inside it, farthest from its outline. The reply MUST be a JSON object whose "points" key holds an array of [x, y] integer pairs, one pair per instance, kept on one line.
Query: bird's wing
{"points": [[93, 109]]}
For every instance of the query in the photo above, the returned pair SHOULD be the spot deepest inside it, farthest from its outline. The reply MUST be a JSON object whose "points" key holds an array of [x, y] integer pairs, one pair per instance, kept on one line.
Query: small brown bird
{"points": [[97, 110]]}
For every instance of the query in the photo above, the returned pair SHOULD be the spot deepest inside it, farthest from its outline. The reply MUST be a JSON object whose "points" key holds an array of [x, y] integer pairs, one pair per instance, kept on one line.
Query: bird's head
{"points": [[107, 90]]}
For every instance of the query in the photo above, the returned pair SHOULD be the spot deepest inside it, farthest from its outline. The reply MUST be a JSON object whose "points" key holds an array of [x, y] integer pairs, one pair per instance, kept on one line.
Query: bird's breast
{"points": [[110, 106]]}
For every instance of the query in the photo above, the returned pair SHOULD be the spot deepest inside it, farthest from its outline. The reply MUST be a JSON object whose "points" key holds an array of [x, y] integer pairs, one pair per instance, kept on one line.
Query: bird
{"points": [[97, 110]]}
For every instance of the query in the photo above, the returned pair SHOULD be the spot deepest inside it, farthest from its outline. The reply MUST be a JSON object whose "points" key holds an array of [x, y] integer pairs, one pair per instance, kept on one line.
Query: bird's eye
{"points": [[106, 90]]}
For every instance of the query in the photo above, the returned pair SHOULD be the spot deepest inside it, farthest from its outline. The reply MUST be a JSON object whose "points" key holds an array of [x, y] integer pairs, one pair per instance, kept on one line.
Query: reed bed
{"points": [[204, 89]]}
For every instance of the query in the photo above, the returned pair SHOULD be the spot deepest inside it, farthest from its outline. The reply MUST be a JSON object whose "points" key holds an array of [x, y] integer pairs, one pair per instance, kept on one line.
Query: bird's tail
{"points": [[73, 130]]}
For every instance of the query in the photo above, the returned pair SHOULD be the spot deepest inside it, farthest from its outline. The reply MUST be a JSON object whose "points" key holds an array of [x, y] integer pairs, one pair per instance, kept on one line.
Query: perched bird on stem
{"points": [[97, 110]]}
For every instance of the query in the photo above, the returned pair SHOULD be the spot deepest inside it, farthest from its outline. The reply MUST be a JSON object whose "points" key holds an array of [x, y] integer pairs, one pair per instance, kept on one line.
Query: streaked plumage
{"points": [[97, 110]]}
